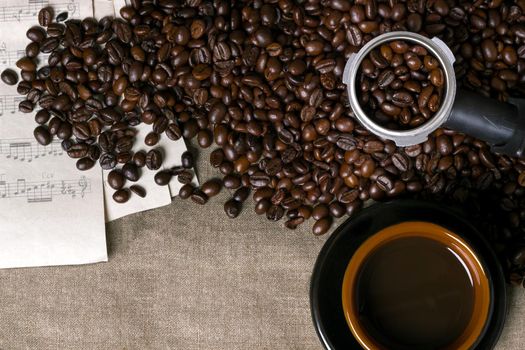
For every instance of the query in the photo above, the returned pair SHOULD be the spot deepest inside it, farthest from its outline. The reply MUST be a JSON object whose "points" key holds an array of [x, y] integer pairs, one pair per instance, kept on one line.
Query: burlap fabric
{"points": [[181, 277]]}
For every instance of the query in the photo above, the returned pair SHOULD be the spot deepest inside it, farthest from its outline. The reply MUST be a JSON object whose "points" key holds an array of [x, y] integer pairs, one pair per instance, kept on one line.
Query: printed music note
{"points": [[28, 150], [20, 186], [4, 189], [44, 191]]}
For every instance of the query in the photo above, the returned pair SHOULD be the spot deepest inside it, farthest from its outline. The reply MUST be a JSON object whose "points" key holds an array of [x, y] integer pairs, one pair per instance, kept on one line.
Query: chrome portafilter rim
{"points": [[436, 48]]}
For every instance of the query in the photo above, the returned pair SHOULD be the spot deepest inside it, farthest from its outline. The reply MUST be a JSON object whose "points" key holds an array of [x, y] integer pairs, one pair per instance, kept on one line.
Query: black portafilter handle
{"points": [[500, 124]]}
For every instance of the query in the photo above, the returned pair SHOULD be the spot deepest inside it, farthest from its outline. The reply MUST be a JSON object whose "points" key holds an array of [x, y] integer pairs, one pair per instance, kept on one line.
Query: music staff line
{"points": [[30, 11], [27, 150], [9, 103], [44, 191]]}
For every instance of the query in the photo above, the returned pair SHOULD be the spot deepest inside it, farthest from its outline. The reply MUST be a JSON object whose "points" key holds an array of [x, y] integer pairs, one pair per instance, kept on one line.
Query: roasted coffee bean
{"points": [[36, 34], [152, 139], [45, 16], [116, 179], [138, 190], [185, 177], [241, 194], [85, 164], [26, 64], [9, 77], [153, 159], [61, 17], [211, 187], [121, 196], [322, 226], [107, 161], [232, 208], [185, 191], [199, 197], [187, 160], [131, 172], [162, 178], [42, 135]]}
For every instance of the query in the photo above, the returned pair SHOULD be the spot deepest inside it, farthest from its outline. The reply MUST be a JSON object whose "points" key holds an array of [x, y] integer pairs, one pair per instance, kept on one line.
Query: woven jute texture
{"points": [[181, 277]]}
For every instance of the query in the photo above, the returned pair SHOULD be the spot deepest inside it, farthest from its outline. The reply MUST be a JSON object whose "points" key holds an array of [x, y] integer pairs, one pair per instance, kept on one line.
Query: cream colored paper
{"points": [[50, 213], [103, 8]]}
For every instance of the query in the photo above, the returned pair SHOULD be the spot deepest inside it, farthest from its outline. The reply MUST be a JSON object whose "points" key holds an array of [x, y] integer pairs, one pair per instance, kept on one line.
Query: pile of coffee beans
{"points": [[400, 85], [262, 80]]}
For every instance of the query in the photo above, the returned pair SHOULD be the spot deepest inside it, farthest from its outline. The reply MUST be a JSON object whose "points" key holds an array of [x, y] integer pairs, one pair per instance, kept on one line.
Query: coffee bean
{"points": [[187, 160], [131, 172], [185, 191], [121, 196], [116, 179], [45, 16], [211, 187], [199, 197], [185, 177], [26, 64], [322, 226], [107, 161], [153, 159], [241, 194], [232, 208], [162, 178], [61, 17], [85, 164], [9, 77], [138, 190], [151, 139], [42, 135]]}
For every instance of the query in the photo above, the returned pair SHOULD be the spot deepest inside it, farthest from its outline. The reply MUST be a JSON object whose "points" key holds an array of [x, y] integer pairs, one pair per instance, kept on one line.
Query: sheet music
{"points": [[50, 213]]}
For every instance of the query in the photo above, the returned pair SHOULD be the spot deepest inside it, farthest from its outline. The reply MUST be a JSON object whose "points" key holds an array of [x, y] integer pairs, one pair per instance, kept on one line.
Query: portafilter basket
{"points": [[500, 124]]}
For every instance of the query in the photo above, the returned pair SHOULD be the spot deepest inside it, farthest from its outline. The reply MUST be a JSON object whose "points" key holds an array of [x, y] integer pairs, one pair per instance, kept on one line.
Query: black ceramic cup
{"points": [[329, 271]]}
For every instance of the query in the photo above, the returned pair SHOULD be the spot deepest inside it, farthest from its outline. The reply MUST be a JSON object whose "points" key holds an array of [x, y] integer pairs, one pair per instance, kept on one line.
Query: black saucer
{"points": [[329, 269]]}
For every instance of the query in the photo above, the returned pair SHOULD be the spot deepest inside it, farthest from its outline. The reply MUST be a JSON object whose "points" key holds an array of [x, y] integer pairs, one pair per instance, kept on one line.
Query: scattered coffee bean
{"points": [[154, 159], [163, 177], [61, 17], [121, 196], [116, 179], [187, 160], [9, 77], [211, 187], [232, 208], [42, 135], [138, 190], [199, 197], [131, 172], [45, 16], [85, 164], [186, 190]]}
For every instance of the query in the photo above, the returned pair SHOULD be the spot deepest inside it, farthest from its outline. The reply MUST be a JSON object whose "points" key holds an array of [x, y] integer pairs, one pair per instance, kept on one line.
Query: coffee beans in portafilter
{"points": [[262, 80], [400, 85]]}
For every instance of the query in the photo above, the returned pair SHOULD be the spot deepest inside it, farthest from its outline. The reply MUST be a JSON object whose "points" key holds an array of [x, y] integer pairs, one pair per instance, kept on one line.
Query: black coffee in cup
{"points": [[415, 291], [415, 286]]}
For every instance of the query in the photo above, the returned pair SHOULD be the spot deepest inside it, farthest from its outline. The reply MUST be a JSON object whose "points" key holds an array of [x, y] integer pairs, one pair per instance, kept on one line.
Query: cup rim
{"points": [[482, 290]]}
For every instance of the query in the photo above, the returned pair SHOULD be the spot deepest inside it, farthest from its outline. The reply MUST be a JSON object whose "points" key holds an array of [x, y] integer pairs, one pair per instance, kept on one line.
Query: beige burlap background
{"points": [[181, 277]]}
